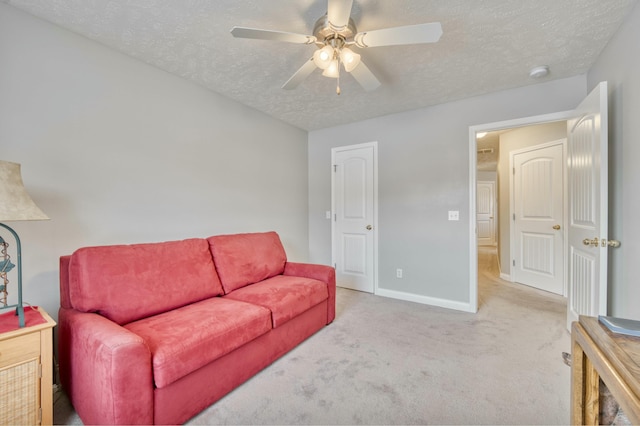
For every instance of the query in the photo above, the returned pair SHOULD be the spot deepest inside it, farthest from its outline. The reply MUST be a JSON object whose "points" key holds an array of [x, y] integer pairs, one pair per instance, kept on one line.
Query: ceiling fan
{"points": [[334, 34]]}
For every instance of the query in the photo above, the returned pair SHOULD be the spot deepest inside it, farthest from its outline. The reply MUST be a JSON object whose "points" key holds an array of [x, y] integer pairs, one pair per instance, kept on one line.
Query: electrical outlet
{"points": [[398, 273], [327, 214], [454, 215]]}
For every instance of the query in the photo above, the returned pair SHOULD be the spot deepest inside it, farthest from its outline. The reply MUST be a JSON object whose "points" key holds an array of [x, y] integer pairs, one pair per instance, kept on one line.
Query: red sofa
{"points": [[155, 333]]}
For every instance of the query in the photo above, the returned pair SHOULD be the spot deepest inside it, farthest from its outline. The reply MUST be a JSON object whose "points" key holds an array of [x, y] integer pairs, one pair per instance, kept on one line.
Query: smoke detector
{"points": [[539, 72]]}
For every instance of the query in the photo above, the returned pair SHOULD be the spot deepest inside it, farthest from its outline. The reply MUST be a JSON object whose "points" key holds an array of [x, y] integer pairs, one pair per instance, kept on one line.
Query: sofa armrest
{"points": [[323, 273], [105, 369]]}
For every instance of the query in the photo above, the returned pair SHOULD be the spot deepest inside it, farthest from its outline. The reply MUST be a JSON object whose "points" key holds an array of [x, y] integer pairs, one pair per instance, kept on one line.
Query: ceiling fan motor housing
{"points": [[325, 31]]}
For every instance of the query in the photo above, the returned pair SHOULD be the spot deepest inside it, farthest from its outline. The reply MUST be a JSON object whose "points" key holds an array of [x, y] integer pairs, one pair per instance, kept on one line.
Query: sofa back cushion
{"points": [[244, 259], [129, 282]]}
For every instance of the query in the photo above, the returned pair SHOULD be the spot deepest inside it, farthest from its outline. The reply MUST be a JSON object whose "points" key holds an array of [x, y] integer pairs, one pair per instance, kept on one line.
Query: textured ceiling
{"points": [[487, 45]]}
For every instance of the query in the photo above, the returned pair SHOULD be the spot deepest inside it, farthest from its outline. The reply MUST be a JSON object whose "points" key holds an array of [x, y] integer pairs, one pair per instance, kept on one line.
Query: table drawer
{"points": [[19, 349]]}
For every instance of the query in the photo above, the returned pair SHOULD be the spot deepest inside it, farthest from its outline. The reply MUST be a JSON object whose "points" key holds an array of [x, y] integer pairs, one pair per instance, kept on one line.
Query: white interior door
{"points": [[354, 226], [485, 217], [588, 207], [538, 217]]}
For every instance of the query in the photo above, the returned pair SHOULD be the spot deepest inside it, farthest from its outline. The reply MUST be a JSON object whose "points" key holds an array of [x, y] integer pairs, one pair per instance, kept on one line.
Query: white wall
{"points": [[510, 141], [116, 151], [619, 64], [423, 173]]}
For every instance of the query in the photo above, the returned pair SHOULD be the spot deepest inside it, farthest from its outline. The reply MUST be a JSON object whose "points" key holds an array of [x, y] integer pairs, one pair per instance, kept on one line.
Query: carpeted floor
{"points": [[384, 361]]}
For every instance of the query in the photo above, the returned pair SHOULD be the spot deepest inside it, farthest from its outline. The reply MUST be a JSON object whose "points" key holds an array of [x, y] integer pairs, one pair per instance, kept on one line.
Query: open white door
{"points": [[588, 207]]}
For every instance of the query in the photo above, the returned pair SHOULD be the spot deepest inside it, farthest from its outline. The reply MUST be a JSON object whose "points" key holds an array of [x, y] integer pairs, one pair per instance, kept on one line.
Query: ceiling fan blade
{"points": [[338, 12], [365, 77], [243, 32], [411, 34], [300, 75]]}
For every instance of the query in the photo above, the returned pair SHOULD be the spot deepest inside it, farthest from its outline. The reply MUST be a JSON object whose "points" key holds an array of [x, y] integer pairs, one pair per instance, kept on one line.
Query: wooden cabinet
{"points": [[26, 374], [601, 355]]}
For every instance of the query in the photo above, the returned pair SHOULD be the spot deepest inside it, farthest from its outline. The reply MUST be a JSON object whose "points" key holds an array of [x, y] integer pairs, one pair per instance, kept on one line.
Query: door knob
{"points": [[610, 243], [593, 243], [556, 227], [369, 227]]}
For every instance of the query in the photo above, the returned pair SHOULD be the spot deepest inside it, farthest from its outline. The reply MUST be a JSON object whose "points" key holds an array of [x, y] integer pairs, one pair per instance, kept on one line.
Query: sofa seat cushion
{"points": [[243, 259], [285, 296], [185, 339]]}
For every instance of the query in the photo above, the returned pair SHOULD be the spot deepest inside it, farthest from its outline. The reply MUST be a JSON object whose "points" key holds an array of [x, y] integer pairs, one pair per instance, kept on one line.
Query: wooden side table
{"points": [[599, 354], [26, 373]]}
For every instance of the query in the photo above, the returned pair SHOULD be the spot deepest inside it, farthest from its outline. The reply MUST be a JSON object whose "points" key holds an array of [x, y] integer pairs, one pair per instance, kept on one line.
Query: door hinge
{"points": [[514, 217], [514, 170], [335, 217], [39, 420], [335, 168], [40, 371], [335, 266], [514, 262]]}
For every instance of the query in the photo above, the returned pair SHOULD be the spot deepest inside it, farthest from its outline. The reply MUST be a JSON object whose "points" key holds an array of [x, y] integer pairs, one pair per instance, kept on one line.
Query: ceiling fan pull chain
{"points": [[338, 79]]}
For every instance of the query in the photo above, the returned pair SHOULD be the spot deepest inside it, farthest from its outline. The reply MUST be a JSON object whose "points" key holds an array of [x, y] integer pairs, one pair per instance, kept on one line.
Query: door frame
{"points": [[473, 159], [512, 237], [334, 150]]}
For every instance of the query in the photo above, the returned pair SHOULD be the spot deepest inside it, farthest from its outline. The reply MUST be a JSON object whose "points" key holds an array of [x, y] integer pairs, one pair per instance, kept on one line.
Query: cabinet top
{"points": [[621, 350], [44, 322]]}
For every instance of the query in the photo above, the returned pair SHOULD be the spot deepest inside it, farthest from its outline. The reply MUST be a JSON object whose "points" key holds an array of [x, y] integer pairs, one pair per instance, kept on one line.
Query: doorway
{"points": [[503, 225], [587, 212]]}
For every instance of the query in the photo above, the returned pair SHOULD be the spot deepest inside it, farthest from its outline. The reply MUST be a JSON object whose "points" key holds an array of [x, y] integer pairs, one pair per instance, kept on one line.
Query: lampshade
{"points": [[15, 203], [349, 58], [333, 70], [323, 57]]}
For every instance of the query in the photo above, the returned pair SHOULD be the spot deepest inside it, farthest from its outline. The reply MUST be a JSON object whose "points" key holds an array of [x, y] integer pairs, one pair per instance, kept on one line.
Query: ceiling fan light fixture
{"points": [[333, 71], [323, 57], [349, 58]]}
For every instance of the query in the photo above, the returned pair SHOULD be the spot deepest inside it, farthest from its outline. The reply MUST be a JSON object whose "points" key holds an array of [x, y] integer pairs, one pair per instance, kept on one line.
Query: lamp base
{"points": [[19, 313], [6, 268]]}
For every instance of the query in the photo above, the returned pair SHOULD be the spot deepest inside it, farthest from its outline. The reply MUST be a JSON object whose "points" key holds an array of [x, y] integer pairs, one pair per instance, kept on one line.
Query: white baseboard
{"points": [[505, 277], [426, 300]]}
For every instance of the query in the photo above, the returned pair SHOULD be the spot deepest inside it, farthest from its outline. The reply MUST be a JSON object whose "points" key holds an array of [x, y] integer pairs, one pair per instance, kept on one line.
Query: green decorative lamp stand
{"points": [[15, 205]]}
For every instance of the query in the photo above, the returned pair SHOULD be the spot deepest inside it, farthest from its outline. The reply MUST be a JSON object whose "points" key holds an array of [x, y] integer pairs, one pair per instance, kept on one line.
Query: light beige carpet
{"points": [[385, 361]]}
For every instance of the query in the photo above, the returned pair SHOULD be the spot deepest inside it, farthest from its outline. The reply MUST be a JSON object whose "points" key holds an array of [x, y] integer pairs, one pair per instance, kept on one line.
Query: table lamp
{"points": [[15, 205]]}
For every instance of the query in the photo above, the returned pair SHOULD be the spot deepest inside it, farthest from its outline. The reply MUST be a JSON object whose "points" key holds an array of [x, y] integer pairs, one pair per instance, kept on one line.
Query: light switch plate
{"points": [[454, 215]]}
